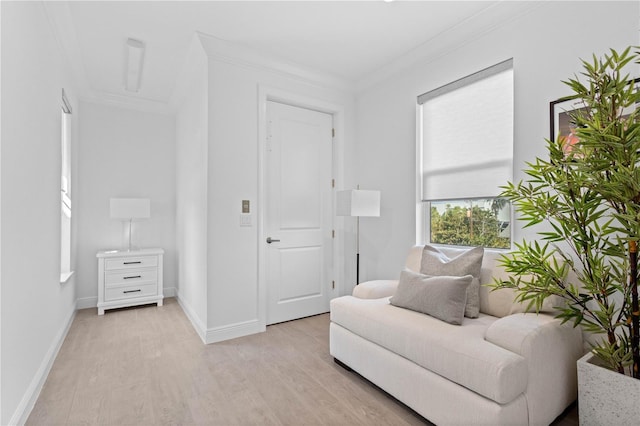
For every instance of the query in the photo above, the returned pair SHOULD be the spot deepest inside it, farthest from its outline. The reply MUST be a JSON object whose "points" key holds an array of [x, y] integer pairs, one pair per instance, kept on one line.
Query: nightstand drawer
{"points": [[130, 277], [132, 291], [130, 262]]}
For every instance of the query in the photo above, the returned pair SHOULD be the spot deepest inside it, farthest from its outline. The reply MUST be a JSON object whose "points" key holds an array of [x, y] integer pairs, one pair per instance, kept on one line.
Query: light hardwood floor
{"points": [[146, 366]]}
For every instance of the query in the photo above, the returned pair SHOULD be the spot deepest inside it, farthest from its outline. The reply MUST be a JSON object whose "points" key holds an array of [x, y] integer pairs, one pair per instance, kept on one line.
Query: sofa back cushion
{"points": [[497, 303]]}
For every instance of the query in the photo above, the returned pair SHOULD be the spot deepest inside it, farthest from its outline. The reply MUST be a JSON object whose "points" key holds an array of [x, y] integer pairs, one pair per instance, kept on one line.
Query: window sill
{"points": [[65, 276]]}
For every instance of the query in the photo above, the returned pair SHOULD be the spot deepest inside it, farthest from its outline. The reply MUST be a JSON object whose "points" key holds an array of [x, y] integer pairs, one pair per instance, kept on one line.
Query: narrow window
{"points": [[65, 192], [465, 153]]}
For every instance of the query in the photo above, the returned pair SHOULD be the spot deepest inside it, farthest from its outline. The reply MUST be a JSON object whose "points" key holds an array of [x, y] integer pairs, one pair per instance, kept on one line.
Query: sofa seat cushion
{"points": [[458, 353]]}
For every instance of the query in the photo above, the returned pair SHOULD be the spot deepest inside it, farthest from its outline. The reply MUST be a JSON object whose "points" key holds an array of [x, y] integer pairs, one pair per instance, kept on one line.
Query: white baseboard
{"points": [[170, 292], [232, 331], [86, 302], [197, 324], [30, 397], [219, 334]]}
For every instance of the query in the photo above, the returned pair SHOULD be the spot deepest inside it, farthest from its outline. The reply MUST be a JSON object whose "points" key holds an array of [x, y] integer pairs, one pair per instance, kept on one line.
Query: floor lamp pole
{"points": [[357, 250]]}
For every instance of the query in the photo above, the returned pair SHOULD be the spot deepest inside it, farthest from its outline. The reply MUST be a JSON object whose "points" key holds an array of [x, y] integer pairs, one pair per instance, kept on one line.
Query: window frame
{"points": [[66, 212], [423, 207]]}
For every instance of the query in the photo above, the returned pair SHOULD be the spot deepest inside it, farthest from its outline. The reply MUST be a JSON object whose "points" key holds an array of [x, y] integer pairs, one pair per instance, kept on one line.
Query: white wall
{"points": [[191, 187], [234, 306], [546, 45], [123, 153], [36, 309]]}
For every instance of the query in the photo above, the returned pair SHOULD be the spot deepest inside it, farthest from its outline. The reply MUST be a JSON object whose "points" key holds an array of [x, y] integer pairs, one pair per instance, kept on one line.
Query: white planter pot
{"points": [[606, 397]]}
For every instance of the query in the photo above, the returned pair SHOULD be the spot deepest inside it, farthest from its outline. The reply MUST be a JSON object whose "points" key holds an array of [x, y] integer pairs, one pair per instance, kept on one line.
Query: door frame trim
{"points": [[337, 111]]}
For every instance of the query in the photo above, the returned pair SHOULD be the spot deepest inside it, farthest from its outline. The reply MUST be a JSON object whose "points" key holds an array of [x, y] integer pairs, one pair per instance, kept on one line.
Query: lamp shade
{"points": [[358, 202], [130, 208]]}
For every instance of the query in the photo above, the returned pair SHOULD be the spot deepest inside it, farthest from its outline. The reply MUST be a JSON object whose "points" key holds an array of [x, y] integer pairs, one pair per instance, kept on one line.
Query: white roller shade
{"points": [[467, 136]]}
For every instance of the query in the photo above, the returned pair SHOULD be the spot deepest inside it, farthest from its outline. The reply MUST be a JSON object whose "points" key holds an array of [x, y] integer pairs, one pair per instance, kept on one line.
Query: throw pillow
{"points": [[434, 262], [441, 297]]}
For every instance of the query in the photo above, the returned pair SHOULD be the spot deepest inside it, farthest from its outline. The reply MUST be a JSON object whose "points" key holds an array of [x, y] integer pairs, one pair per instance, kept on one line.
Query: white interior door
{"points": [[298, 219]]}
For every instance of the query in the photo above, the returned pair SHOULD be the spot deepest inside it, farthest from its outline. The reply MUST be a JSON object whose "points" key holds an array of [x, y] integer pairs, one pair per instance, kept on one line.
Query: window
{"points": [[473, 222], [465, 153], [65, 192]]}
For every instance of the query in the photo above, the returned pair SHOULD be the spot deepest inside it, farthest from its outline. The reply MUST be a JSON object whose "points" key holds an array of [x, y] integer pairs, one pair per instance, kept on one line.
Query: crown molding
{"points": [[238, 54], [61, 21], [465, 32]]}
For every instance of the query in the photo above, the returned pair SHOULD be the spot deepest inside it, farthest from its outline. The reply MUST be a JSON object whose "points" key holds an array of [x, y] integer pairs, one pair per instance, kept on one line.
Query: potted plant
{"points": [[587, 193]]}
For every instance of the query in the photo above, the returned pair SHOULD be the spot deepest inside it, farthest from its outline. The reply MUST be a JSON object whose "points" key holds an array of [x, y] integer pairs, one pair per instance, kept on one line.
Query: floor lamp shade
{"points": [[358, 202]]}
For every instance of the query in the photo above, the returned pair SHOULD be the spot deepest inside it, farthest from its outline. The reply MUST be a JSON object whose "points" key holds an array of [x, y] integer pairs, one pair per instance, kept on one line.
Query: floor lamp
{"points": [[358, 202], [130, 209]]}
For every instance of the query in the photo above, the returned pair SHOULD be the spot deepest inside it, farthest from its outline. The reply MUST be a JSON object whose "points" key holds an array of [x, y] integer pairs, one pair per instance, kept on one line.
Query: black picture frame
{"points": [[560, 118], [559, 115]]}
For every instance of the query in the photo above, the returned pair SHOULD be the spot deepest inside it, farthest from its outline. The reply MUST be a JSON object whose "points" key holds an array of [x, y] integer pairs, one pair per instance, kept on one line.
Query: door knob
{"points": [[270, 240]]}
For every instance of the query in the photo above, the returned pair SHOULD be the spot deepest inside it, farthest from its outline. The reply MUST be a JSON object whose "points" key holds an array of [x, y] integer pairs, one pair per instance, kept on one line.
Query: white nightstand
{"points": [[128, 278]]}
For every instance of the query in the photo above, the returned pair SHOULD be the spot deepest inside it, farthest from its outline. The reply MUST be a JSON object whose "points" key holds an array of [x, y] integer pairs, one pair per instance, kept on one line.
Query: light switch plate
{"points": [[245, 220], [246, 206]]}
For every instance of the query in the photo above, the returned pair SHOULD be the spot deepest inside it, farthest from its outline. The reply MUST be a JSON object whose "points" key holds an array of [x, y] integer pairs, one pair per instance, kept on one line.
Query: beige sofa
{"points": [[504, 368]]}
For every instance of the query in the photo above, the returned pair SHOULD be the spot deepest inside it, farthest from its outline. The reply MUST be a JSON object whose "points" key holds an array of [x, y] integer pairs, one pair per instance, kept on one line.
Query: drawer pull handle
{"points": [[132, 291], [135, 276], [132, 263]]}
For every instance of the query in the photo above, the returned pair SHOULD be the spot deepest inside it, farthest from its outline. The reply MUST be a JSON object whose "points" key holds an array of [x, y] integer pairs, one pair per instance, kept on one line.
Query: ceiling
{"points": [[348, 40]]}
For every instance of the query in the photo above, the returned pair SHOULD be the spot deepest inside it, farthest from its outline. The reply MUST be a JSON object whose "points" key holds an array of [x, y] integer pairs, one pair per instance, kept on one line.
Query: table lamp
{"points": [[130, 209]]}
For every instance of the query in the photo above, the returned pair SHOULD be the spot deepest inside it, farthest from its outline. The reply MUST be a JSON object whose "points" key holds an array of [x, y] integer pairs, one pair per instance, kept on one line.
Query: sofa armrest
{"points": [[375, 289], [551, 350]]}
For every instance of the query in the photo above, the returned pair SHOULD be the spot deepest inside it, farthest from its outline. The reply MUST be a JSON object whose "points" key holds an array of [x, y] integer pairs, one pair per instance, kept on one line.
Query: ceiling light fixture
{"points": [[135, 57]]}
